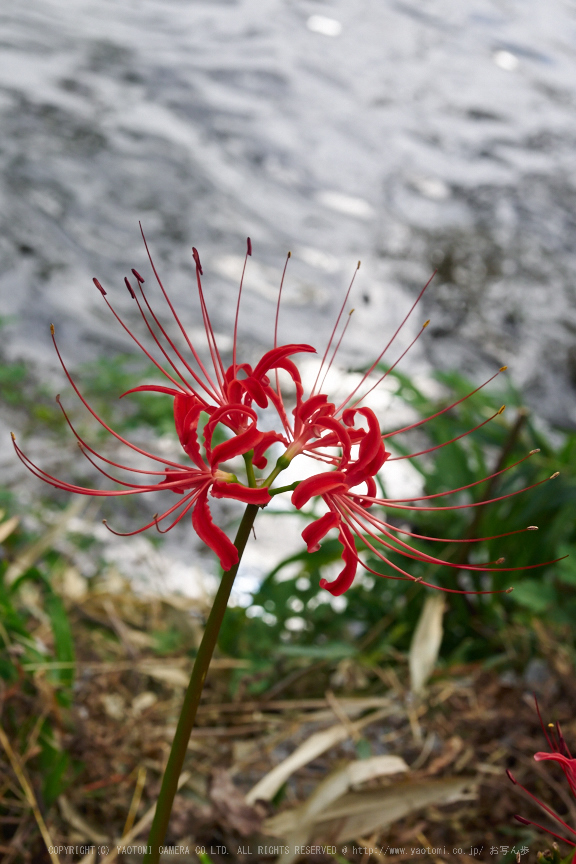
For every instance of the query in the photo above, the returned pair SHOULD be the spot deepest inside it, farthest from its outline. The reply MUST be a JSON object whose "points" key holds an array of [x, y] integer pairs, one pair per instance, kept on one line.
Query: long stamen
{"points": [[336, 349], [173, 484], [394, 335], [210, 337], [524, 821], [387, 502], [468, 485], [406, 577], [176, 318], [142, 348], [388, 371], [248, 252], [283, 416], [288, 256], [360, 518], [451, 441], [543, 806], [335, 328], [443, 411], [195, 376], [156, 517], [99, 419], [85, 446], [180, 516]]}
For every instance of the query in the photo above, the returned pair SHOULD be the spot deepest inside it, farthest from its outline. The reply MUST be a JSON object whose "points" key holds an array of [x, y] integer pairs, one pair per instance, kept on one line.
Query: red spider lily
{"points": [[561, 754], [315, 427]]}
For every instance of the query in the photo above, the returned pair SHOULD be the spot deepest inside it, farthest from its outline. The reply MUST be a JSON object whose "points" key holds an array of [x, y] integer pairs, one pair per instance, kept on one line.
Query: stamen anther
{"points": [[509, 590], [196, 257], [500, 410], [130, 289], [99, 286], [138, 276], [537, 450], [359, 263], [553, 476], [503, 368], [249, 245], [532, 528], [426, 323], [13, 436], [52, 329]]}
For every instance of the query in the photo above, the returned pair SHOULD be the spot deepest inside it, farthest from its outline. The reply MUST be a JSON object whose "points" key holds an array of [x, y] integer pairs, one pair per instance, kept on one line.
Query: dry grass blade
{"points": [[313, 747], [7, 527], [30, 797], [426, 641], [73, 818], [136, 798], [140, 826], [358, 814]]}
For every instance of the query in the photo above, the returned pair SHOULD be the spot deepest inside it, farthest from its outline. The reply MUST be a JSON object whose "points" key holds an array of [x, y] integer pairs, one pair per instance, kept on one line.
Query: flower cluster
{"points": [[345, 439], [560, 754]]}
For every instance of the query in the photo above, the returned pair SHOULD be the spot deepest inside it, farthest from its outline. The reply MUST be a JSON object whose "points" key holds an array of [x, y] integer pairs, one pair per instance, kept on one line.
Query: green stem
{"points": [[193, 694], [250, 469]]}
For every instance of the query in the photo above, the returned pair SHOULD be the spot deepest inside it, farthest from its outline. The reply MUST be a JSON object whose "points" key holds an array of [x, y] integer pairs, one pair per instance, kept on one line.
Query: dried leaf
{"points": [[168, 675], [358, 814], [313, 747], [426, 641]]}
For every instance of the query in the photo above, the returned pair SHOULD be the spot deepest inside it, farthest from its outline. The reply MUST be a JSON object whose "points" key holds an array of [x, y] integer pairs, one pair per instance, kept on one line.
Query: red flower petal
{"points": [[236, 446], [260, 495], [211, 535], [255, 390], [320, 484], [273, 358], [266, 440], [318, 529], [345, 578]]}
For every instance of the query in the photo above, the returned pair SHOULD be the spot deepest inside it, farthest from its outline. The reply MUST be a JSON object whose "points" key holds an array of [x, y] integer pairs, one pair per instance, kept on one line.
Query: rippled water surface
{"points": [[414, 135]]}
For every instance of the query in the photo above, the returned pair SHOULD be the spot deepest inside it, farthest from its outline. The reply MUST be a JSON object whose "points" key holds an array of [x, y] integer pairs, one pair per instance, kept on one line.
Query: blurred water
{"points": [[417, 135], [414, 134]]}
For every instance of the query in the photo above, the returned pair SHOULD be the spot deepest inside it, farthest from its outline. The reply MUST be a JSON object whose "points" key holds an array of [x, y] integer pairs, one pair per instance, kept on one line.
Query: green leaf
{"points": [[534, 595], [328, 651]]}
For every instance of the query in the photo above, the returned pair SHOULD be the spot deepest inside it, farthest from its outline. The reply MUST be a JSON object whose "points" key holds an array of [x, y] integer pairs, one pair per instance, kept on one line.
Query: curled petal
{"points": [[211, 535], [273, 358], [350, 557], [266, 440], [318, 529], [255, 390], [235, 446], [238, 444], [239, 492], [187, 412], [320, 484], [314, 404]]}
